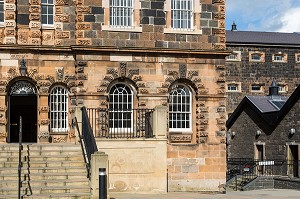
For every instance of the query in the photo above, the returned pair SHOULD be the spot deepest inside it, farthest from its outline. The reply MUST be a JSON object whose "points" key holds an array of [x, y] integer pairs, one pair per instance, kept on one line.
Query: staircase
{"points": [[48, 171], [238, 184]]}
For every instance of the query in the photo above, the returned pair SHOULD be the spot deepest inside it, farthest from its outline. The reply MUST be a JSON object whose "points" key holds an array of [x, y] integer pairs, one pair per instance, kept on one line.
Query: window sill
{"points": [[180, 131], [183, 31], [231, 60], [48, 27], [125, 29]]}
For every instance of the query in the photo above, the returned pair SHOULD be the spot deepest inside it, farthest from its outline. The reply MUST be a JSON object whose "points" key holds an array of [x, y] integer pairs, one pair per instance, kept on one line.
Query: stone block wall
{"points": [[196, 167], [262, 73]]}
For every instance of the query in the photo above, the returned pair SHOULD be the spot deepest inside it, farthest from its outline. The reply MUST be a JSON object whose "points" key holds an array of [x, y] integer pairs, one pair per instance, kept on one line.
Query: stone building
{"points": [[265, 129], [257, 59], [121, 58]]}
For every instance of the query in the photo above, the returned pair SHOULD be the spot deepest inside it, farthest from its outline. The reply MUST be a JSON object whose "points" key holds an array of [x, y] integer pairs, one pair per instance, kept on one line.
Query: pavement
{"points": [[256, 194]]}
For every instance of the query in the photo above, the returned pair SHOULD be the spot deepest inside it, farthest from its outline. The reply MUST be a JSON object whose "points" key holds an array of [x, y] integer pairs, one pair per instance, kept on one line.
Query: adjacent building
{"points": [[152, 70]]}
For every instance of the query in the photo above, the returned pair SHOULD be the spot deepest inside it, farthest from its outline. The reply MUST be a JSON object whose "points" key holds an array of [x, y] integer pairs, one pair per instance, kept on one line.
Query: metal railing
{"points": [[20, 160], [87, 139], [133, 123], [247, 170]]}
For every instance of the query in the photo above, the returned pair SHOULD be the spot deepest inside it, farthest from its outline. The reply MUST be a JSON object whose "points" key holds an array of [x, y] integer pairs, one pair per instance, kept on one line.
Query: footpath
{"points": [[256, 194]]}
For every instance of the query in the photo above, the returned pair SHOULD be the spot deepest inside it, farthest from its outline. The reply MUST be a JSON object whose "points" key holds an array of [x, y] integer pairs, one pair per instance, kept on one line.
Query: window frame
{"points": [[297, 58], [230, 85], [187, 120], [182, 10], [115, 7], [236, 58], [58, 114], [256, 85], [47, 4], [114, 126], [256, 60]]}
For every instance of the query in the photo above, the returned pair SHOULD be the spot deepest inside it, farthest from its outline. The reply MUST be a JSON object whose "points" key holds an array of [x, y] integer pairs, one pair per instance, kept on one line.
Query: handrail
{"points": [[87, 135], [82, 147]]}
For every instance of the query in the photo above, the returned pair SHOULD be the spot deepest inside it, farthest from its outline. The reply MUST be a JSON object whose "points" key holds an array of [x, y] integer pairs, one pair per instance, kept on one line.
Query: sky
{"points": [[264, 15]]}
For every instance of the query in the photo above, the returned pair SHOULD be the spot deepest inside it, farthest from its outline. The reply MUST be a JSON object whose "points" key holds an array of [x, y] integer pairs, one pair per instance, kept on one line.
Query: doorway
{"points": [[22, 102], [259, 156], [293, 160]]}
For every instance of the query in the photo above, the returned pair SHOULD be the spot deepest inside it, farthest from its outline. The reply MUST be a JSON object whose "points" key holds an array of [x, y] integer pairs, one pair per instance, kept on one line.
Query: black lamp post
{"points": [[23, 69]]}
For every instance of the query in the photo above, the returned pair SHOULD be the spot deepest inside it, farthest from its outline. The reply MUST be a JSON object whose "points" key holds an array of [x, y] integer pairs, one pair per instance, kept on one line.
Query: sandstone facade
{"points": [[83, 53]]}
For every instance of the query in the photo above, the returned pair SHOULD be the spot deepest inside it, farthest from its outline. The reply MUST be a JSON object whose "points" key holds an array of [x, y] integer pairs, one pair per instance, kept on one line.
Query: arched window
{"points": [[58, 109], [120, 107], [180, 109]]}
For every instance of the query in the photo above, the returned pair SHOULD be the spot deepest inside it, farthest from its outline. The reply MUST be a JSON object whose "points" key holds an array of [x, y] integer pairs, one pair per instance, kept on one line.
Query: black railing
{"points": [[87, 135], [20, 160], [133, 123], [247, 170]]}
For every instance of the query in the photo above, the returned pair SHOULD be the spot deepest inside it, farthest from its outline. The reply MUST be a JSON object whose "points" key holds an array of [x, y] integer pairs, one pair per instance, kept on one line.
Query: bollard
{"points": [[102, 183]]}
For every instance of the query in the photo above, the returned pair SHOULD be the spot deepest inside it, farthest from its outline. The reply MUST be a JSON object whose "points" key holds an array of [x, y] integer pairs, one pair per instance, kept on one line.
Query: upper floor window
{"points": [[47, 12], [234, 56], [121, 108], [182, 14], [58, 101], [282, 88], [121, 13], [280, 57], [255, 57], [1, 11], [256, 88], [298, 58], [233, 87], [180, 109]]}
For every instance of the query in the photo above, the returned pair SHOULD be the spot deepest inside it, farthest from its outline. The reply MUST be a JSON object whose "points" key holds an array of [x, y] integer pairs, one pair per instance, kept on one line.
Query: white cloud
{"points": [[265, 15]]}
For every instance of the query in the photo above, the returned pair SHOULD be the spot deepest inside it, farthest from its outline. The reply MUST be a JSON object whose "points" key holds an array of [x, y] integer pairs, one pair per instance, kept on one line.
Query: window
{"points": [[298, 58], [47, 12], [255, 57], [282, 88], [256, 88], [278, 58], [120, 108], [121, 13], [1, 11], [232, 87], [180, 109], [182, 14], [232, 57], [59, 109]]}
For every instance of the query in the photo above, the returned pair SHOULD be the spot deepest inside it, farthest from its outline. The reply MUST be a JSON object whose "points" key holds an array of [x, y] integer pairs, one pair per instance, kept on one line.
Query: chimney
{"points": [[273, 89], [233, 27]]}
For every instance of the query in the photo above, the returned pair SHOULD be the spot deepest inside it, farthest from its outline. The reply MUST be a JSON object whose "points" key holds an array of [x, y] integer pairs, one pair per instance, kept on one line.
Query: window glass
{"points": [[255, 57], [121, 13], [232, 87], [120, 107], [180, 108], [59, 109], [1, 11], [182, 14], [47, 12]]}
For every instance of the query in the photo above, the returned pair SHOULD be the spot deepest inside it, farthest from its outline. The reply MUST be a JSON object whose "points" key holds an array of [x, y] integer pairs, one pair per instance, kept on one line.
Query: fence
{"points": [[130, 123]]}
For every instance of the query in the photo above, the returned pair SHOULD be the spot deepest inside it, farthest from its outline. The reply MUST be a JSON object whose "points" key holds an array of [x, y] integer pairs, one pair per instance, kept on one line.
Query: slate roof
{"points": [[265, 113], [267, 103], [253, 37]]}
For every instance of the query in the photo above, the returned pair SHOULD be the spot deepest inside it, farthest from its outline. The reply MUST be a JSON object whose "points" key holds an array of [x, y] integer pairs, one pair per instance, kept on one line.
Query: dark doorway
{"points": [[294, 160], [25, 106], [260, 157]]}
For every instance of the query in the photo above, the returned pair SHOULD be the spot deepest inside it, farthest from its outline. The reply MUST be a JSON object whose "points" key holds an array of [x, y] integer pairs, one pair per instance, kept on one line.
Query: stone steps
{"points": [[56, 171]]}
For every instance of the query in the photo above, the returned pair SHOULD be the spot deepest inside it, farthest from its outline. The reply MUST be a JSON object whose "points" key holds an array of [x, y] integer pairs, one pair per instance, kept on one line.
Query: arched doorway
{"points": [[22, 101]]}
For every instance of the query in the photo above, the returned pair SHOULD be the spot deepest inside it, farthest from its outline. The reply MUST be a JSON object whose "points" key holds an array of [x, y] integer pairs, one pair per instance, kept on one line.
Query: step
{"points": [[48, 183], [25, 170]]}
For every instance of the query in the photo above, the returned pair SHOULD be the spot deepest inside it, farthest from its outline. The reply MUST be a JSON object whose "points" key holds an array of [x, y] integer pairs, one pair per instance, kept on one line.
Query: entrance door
{"points": [[260, 157], [22, 101], [293, 160]]}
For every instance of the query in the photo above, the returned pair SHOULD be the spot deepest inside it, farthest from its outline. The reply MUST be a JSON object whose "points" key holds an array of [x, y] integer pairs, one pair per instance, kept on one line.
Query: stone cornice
{"points": [[112, 49]]}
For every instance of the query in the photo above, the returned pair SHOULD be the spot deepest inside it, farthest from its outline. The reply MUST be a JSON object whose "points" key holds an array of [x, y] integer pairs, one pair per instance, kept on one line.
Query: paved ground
{"points": [[257, 194]]}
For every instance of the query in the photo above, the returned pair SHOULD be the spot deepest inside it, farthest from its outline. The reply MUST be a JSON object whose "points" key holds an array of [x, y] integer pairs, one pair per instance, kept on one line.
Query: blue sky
{"points": [[264, 15]]}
